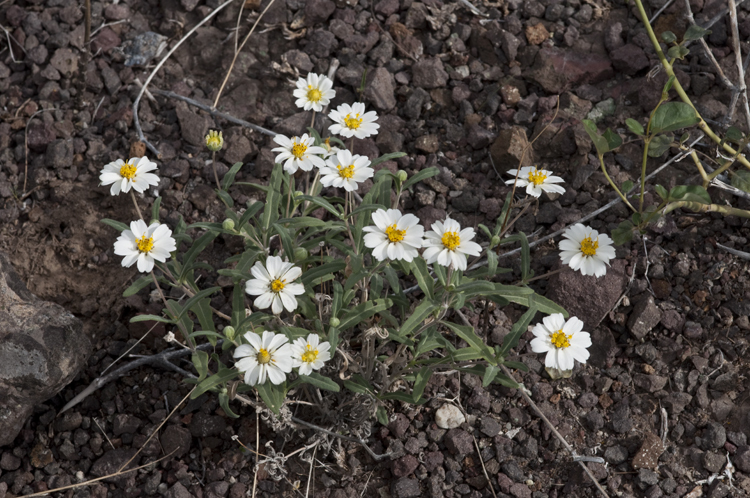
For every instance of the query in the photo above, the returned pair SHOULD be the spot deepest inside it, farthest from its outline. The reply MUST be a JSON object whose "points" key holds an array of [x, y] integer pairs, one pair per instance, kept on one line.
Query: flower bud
{"points": [[214, 141], [298, 193], [228, 224], [494, 241], [402, 175], [335, 322], [300, 253], [229, 332]]}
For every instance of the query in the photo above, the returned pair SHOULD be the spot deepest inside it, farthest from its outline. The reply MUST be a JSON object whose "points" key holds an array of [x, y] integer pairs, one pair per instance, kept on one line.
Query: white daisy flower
{"points": [[315, 92], [586, 250], [133, 173], [265, 357], [346, 170], [562, 341], [145, 244], [310, 354], [394, 236], [353, 121], [536, 180], [447, 244], [272, 284], [298, 153]]}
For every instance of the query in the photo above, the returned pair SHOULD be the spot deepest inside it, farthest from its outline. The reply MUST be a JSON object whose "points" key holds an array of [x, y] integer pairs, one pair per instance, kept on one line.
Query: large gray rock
{"points": [[42, 347], [573, 291]]}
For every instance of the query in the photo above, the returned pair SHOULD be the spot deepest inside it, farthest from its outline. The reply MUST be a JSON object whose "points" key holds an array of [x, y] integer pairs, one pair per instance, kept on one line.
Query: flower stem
{"points": [[604, 170], [135, 203], [216, 175], [312, 121]]}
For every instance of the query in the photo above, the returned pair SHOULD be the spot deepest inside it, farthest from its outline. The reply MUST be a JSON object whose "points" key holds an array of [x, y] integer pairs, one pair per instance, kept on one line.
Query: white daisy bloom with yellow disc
{"points": [[587, 250], [394, 236], [267, 357], [298, 153], [345, 170], [273, 285], [353, 121], [144, 244], [447, 244], [536, 181], [563, 341], [310, 354], [133, 174], [315, 92]]}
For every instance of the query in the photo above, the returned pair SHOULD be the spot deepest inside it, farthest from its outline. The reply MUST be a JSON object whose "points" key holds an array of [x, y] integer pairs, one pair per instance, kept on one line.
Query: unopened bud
{"points": [[335, 322], [300, 253], [298, 193], [495, 241], [402, 175], [228, 224], [229, 332], [214, 141]]}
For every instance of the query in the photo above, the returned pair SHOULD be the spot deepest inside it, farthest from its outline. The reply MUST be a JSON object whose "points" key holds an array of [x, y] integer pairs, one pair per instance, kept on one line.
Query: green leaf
{"points": [[517, 365], [224, 375], [382, 415], [661, 192], [362, 312], [600, 142], [386, 157], [468, 334], [613, 139], [150, 318], [359, 385], [286, 240], [190, 303], [320, 381], [504, 213], [741, 180], [225, 197], [392, 277], [422, 274], [490, 372], [547, 306], [273, 198], [420, 313], [511, 340], [155, 209], [312, 275], [695, 32], [321, 202], [734, 134], [119, 226], [623, 233], [272, 395], [423, 376], [659, 145], [671, 116], [198, 246], [492, 261], [421, 175], [627, 186], [668, 37], [693, 193], [200, 361], [224, 403], [136, 286], [202, 310], [228, 179], [238, 305], [678, 52], [667, 87], [635, 126]]}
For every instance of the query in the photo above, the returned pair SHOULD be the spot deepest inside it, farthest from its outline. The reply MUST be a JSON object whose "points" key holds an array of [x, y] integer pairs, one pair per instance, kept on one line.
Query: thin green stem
{"points": [[697, 207], [646, 142], [606, 175], [216, 175], [135, 203]]}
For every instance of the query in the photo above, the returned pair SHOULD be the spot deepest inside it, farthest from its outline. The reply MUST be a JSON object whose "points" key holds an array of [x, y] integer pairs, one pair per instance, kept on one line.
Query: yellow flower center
{"points": [[263, 356], [347, 172], [145, 244], [394, 234], [310, 354], [214, 141], [277, 286], [451, 240], [313, 94], [560, 339], [537, 177], [298, 150], [127, 170], [588, 246], [352, 122]]}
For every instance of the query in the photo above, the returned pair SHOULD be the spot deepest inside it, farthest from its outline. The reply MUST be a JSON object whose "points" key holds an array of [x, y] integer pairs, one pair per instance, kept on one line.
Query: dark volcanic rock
{"points": [[42, 348], [558, 70]]}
